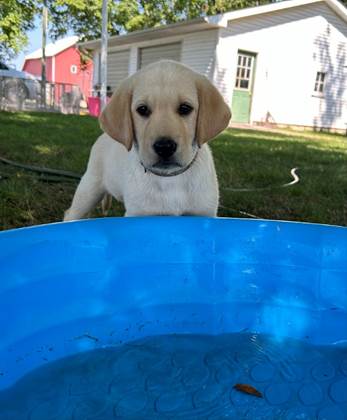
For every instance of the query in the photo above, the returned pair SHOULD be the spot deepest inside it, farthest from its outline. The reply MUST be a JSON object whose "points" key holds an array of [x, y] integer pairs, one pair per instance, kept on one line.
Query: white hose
{"points": [[295, 176], [244, 213], [296, 179]]}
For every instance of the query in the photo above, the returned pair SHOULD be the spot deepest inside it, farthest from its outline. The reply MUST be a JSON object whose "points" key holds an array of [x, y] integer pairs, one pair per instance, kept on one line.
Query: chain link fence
{"points": [[29, 95]]}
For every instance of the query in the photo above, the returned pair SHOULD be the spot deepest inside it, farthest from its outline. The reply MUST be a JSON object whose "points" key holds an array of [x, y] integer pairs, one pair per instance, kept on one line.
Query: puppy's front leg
{"points": [[89, 192]]}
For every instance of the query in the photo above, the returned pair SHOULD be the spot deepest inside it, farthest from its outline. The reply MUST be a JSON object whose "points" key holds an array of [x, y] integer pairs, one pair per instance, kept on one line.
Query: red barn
{"points": [[63, 65]]}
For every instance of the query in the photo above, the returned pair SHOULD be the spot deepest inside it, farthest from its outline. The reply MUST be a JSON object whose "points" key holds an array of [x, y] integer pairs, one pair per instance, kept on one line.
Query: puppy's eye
{"points": [[184, 109], [144, 111]]}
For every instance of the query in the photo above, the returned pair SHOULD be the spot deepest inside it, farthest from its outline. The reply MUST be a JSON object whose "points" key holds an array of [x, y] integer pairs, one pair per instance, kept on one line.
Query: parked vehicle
{"points": [[18, 85]]}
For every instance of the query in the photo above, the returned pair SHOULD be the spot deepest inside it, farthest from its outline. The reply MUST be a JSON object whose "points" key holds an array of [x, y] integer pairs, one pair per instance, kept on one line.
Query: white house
{"points": [[284, 63]]}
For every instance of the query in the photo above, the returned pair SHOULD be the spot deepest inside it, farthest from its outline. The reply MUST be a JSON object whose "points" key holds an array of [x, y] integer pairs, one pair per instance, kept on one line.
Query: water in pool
{"points": [[187, 377]]}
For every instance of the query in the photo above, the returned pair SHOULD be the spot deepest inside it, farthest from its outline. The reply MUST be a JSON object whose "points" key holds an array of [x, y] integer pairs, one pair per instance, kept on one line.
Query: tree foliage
{"points": [[16, 18], [83, 17]]}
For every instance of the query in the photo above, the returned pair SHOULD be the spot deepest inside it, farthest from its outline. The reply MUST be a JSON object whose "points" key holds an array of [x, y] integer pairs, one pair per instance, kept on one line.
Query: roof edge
{"points": [[34, 55], [338, 8], [129, 35], [222, 19]]}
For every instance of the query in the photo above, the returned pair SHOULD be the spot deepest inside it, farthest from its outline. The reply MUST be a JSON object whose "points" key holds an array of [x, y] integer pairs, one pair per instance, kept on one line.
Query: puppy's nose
{"points": [[165, 147]]}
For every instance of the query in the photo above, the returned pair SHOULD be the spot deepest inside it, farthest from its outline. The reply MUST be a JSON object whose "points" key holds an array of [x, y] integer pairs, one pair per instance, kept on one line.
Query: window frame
{"points": [[319, 83], [73, 69], [244, 70]]}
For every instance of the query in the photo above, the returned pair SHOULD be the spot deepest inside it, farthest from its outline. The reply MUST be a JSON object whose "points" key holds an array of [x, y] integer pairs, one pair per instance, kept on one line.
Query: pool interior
{"points": [[266, 299], [187, 376]]}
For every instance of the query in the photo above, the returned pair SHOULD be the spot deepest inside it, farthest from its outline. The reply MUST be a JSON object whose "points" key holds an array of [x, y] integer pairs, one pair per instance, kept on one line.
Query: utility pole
{"points": [[43, 58], [103, 58]]}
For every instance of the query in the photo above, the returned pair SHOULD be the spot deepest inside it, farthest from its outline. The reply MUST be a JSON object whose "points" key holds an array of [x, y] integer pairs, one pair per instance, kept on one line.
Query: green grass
{"points": [[244, 159]]}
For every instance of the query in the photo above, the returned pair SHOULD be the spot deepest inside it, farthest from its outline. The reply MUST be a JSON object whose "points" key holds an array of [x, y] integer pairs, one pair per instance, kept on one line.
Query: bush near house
{"points": [[244, 159]]}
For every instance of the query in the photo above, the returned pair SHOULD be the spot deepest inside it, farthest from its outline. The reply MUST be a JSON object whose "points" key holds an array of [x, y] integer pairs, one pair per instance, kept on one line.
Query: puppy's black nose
{"points": [[165, 147]]}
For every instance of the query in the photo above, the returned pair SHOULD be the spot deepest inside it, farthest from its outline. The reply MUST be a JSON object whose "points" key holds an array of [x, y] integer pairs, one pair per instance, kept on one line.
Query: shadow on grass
{"points": [[46, 139], [252, 159]]}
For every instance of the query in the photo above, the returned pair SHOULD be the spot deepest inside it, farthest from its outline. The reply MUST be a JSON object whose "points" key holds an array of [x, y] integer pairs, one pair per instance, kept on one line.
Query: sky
{"points": [[34, 43]]}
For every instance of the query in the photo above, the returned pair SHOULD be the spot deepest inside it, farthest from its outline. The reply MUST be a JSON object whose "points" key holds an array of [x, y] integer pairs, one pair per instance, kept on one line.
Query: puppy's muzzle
{"points": [[165, 147]]}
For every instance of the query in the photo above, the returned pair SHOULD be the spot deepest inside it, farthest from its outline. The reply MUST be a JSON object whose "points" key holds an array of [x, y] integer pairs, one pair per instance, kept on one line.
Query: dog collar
{"points": [[178, 172]]}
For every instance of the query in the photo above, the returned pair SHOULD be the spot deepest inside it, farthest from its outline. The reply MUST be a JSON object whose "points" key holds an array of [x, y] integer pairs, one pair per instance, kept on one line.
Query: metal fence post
{"points": [[103, 60], [43, 59]]}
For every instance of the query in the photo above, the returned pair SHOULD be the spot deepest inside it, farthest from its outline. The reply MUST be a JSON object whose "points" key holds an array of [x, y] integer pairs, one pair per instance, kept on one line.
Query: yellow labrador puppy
{"points": [[153, 155]]}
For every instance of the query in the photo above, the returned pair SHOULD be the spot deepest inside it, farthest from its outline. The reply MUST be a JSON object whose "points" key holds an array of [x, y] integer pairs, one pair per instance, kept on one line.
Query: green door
{"points": [[242, 95]]}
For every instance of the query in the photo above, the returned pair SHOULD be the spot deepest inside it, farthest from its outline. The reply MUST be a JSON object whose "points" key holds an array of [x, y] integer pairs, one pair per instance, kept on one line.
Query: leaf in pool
{"points": [[248, 389]]}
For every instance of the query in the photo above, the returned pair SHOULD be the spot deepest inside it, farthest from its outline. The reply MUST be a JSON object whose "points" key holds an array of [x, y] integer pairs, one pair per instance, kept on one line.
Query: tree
{"points": [[16, 19], [83, 17]]}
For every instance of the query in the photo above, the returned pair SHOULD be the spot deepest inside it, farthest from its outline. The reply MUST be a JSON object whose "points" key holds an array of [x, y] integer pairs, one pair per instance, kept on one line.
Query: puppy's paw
{"points": [[67, 216]]}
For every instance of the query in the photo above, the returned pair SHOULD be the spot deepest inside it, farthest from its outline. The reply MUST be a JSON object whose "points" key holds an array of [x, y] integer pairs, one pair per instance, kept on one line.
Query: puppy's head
{"points": [[166, 111]]}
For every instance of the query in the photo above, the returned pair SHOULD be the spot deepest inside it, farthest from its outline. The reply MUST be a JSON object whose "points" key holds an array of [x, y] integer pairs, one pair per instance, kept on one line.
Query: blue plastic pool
{"points": [[197, 305]]}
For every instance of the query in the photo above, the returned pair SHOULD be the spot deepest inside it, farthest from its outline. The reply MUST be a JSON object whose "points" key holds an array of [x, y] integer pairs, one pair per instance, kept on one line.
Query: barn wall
{"points": [[63, 74], [33, 66]]}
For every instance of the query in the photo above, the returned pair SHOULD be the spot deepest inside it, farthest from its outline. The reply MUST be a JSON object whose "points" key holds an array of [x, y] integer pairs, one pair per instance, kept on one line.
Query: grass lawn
{"points": [[244, 159]]}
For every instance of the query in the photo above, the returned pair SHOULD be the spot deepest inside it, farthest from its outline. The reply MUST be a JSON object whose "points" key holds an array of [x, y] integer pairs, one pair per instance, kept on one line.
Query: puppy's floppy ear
{"points": [[213, 115], [116, 119]]}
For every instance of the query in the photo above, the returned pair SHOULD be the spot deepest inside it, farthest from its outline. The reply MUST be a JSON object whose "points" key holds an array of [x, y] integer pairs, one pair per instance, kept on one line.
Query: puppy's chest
{"points": [[168, 192], [163, 195]]}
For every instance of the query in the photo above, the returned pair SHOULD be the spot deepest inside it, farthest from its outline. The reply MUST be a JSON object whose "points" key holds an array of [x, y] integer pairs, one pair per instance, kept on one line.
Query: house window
{"points": [[244, 71], [319, 84], [73, 69]]}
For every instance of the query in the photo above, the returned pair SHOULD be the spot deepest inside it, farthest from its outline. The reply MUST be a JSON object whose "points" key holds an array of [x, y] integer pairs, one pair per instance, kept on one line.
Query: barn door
{"points": [[242, 95]]}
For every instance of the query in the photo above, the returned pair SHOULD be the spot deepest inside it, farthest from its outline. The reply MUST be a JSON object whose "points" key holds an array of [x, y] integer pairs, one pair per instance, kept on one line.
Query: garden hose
{"points": [[60, 173], [244, 213], [295, 180], [42, 177], [293, 173], [68, 174]]}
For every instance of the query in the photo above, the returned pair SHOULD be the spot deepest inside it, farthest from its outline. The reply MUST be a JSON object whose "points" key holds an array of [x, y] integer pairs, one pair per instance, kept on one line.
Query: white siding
{"points": [[224, 72], [291, 46], [199, 51], [149, 55], [117, 67]]}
